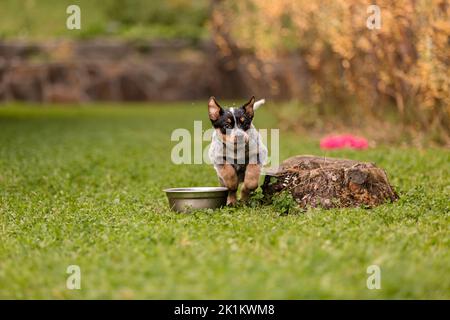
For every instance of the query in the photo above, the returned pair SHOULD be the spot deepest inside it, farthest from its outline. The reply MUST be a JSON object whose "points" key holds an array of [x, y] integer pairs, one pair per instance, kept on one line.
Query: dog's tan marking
{"points": [[229, 179], [251, 180]]}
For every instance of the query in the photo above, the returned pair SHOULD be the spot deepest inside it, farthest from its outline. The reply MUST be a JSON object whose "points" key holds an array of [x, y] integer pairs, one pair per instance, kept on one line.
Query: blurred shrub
{"points": [[43, 19], [405, 64], [159, 18]]}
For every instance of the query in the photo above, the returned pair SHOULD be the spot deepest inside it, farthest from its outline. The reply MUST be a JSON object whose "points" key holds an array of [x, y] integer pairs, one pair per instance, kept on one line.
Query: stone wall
{"points": [[101, 70]]}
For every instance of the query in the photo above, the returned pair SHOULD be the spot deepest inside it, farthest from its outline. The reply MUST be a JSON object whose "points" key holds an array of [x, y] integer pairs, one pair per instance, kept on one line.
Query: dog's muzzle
{"points": [[238, 135]]}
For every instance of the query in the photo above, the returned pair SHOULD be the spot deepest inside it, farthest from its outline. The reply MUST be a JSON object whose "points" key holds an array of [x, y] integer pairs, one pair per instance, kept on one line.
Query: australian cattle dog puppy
{"points": [[236, 151]]}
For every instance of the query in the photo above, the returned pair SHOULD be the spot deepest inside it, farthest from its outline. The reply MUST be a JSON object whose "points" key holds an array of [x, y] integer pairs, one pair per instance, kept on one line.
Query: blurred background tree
{"points": [[155, 19]]}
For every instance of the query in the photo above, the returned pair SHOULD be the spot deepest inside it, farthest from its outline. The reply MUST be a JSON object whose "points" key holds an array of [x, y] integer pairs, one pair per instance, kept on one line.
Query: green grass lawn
{"points": [[84, 186]]}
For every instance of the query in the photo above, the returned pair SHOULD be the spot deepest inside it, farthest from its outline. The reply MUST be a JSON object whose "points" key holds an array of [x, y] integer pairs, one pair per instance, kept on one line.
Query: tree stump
{"points": [[330, 182]]}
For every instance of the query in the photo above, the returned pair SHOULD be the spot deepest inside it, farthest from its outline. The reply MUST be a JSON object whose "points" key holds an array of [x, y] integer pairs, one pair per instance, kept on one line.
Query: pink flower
{"points": [[343, 141]]}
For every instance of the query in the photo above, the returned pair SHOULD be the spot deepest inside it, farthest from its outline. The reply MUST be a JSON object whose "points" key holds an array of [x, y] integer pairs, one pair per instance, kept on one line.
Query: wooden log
{"points": [[330, 182]]}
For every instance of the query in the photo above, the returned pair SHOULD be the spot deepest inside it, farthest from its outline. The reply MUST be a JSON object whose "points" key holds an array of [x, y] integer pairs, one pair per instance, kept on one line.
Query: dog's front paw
{"points": [[231, 200]]}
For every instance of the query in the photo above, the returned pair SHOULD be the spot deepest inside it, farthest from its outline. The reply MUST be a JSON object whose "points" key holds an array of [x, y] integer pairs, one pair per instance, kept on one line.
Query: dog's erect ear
{"points": [[214, 110], [248, 107]]}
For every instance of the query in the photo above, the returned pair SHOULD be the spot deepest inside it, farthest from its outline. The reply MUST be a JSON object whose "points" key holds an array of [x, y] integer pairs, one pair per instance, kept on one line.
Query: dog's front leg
{"points": [[251, 180], [229, 179]]}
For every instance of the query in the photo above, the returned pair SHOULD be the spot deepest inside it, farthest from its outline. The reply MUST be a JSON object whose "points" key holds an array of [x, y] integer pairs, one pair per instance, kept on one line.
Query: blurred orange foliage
{"points": [[404, 65]]}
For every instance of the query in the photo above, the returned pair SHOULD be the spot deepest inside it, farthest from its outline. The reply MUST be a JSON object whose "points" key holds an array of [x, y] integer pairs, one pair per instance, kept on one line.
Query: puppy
{"points": [[236, 150]]}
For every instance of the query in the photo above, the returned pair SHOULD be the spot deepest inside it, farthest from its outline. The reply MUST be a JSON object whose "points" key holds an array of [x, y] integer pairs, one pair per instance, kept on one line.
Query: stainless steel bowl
{"points": [[187, 199]]}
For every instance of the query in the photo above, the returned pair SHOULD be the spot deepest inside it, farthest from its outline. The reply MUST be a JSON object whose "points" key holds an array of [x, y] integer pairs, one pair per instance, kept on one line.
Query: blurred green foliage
{"points": [[166, 19], [156, 19]]}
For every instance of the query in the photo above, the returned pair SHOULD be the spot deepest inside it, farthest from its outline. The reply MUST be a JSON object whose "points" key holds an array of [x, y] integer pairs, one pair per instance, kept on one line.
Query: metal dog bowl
{"points": [[187, 199]]}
